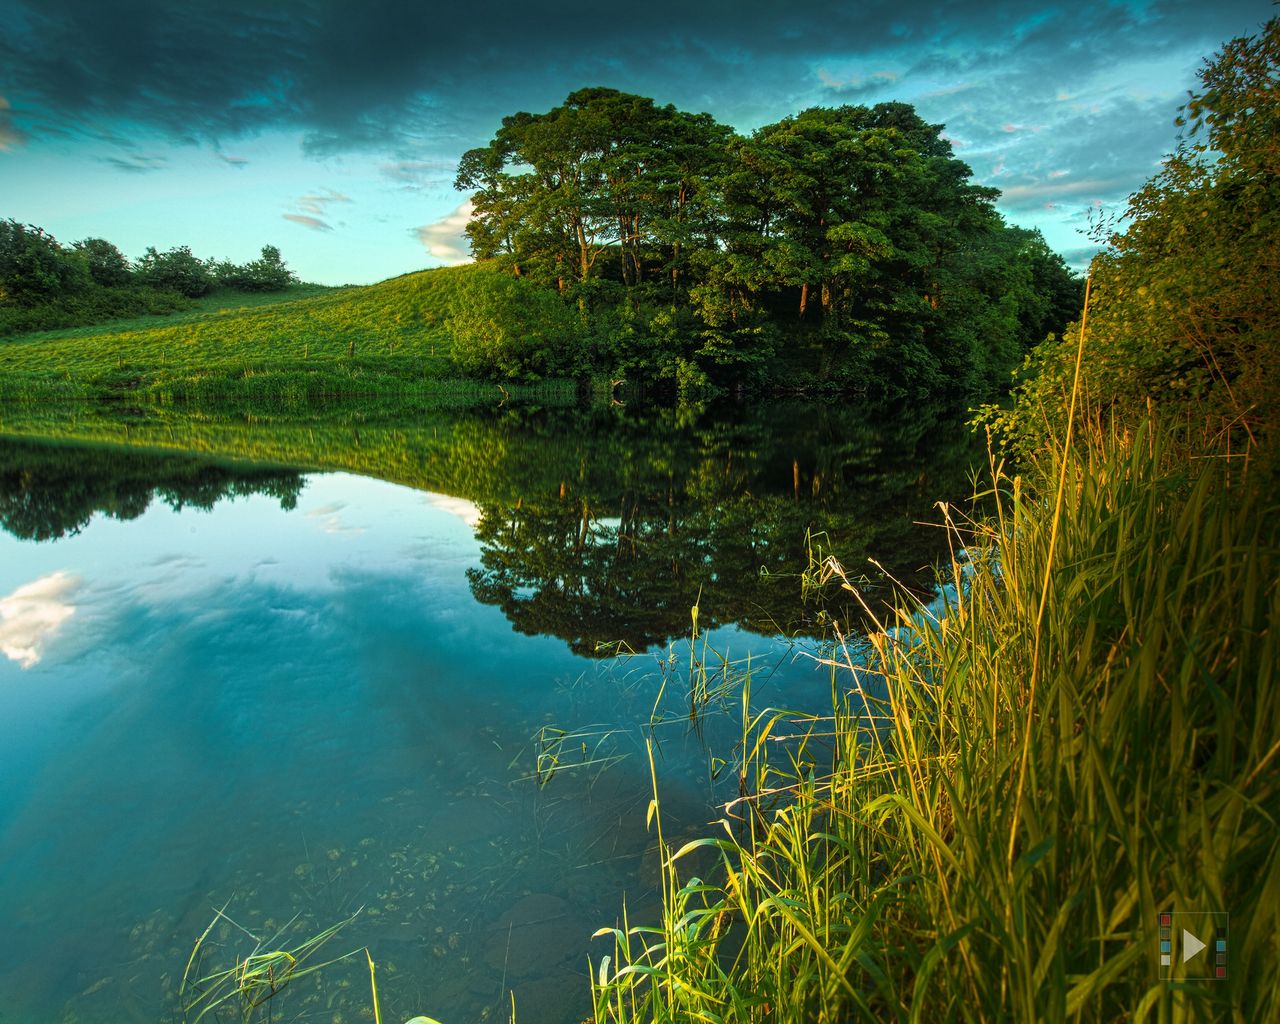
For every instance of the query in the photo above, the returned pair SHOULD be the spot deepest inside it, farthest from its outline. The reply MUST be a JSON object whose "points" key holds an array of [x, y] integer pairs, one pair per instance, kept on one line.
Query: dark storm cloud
{"points": [[395, 75]]}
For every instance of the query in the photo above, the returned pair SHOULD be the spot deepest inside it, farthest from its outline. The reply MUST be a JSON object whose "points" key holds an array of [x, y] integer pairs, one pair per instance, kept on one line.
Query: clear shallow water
{"points": [[292, 703]]}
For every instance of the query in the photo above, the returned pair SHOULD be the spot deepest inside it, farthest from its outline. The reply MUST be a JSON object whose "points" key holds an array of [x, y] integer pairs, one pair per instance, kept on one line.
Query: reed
{"points": [[1119, 658]]}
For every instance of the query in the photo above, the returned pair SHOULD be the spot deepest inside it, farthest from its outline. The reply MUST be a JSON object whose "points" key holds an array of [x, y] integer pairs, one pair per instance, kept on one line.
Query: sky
{"points": [[333, 129]]}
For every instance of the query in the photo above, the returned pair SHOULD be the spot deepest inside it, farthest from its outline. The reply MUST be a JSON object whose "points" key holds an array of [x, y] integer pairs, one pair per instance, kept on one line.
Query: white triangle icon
{"points": [[1190, 945]]}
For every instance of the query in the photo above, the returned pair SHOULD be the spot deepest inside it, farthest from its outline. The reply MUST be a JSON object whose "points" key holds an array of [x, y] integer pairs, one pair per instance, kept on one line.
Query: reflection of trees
{"points": [[621, 550], [49, 491], [600, 524]]}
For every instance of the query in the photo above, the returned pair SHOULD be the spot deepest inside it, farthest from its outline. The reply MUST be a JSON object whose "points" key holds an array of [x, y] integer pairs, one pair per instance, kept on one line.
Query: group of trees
{"points": [[847, 243], [46, 284]]}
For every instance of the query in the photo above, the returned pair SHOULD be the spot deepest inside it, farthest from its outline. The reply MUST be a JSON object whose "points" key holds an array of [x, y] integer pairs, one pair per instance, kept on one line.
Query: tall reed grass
{"points": [[1011, 784]]}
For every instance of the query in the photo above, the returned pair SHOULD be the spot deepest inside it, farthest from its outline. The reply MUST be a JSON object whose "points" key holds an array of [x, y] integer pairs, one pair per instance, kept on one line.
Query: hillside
{"points": [[382, 337]]}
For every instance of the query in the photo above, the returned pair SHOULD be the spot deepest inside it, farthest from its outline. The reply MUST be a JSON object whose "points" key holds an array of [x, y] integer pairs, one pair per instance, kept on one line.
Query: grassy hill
{"points": [[306, 343]]}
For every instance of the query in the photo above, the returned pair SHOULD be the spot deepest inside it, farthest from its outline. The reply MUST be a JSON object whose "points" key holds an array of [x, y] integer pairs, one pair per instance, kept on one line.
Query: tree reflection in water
{"points": [[599, 525]]}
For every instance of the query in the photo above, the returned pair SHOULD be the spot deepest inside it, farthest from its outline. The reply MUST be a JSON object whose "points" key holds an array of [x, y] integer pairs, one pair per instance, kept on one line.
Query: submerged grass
{"points": [[1085, 734]]}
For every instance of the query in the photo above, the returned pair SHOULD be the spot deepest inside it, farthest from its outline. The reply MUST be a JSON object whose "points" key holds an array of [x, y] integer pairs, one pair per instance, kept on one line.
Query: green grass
{"points": [[308, 344], [1087, 736]]}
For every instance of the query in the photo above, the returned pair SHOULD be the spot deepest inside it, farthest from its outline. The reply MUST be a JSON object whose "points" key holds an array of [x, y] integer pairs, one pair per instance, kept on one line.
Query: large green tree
{"points": [[604, 172]]}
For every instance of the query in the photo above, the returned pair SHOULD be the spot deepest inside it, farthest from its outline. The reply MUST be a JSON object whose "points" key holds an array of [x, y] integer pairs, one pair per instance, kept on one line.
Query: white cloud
{"points": [[460, 507], [33, 613], [445, 239], [329, 518], [1037, 193]]}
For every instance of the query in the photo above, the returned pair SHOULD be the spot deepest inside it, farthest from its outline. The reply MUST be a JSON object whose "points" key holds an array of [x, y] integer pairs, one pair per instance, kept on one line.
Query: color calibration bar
{"points": [[1193, 946]]}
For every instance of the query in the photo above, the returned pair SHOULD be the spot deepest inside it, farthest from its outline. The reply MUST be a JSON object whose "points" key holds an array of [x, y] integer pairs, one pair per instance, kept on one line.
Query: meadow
{"points": [[308, 342]]}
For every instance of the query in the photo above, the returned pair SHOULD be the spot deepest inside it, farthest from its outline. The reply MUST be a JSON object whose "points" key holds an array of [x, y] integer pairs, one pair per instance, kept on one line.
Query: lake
{"points": [[274, 674]]}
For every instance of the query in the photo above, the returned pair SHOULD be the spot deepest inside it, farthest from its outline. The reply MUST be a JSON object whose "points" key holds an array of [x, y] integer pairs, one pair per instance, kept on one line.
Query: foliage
{"points": [[266, 274], [108, 266], [44, 286], [1006, 790], [176, 270], [35, 268], [853, 228], [93, 304], [47, 492], [1185, 305], [511, 329]]}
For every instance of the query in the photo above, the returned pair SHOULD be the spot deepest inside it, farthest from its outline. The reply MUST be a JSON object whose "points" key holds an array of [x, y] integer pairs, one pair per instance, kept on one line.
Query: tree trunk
{"points": [[804, 297]]}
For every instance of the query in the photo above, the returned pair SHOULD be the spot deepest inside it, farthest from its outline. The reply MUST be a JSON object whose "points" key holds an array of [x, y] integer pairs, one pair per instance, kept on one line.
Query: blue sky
{"points": [[332, 129]]}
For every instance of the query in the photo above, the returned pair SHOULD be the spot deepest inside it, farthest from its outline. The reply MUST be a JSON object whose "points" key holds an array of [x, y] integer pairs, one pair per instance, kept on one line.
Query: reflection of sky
{"points": [[32, 614], [235, 684]]}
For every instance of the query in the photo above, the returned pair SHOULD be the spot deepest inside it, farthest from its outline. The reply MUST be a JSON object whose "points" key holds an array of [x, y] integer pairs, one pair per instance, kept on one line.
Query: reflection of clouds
{"points": [[460, 507], [330, 520], [33, 613]]}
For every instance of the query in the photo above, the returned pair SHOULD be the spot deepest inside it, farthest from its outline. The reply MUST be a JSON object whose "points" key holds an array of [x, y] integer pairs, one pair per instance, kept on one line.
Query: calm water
{"points": [[298, 692]]}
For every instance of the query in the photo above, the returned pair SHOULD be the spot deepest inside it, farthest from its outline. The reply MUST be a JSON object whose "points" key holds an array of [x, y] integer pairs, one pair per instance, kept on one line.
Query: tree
{"points": [[606, 170], [108, 266]]}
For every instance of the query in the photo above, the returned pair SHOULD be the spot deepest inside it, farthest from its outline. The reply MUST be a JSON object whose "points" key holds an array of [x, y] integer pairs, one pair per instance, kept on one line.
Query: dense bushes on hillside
{"points": [[45, 285]]}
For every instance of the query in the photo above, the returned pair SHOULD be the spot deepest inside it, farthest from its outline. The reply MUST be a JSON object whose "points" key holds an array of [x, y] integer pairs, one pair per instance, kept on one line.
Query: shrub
{"points": [[177, 270], [511, 328], [266, 274], [108, 266], [34, 267]]}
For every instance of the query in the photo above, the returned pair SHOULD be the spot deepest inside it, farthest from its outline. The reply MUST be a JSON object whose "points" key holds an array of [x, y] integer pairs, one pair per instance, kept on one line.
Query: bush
{"points": [[108, 266], [176, 271], [267, 274], [1183, 308], [511, 328], [35, 268], [93, 305]]}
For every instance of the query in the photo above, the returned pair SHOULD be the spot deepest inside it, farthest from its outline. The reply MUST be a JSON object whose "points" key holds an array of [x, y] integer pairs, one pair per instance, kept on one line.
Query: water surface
{"points": [[322, 683]]}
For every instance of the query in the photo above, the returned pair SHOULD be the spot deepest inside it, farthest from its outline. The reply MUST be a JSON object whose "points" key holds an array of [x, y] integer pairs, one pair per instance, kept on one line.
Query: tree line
{"points": [[847, 245], [44, 284]]}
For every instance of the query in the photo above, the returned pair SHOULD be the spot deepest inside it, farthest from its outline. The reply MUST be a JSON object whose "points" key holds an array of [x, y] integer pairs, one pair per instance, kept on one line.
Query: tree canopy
{"points": [[847, 243]]}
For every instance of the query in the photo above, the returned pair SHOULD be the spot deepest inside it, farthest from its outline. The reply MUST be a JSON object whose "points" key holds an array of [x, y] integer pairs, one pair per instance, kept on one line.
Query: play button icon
{"points": [[1191, 946]]}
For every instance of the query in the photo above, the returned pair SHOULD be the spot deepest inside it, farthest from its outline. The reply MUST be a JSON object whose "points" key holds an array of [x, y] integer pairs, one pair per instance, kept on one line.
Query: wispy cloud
{"points": [[1050, 193], [314, 223], [329, 518], [33, 613], [319, 202], [446, 238], [234, 161], [856, 84], [136, 163], [415, 174], [10, 135], [314, 207]]}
